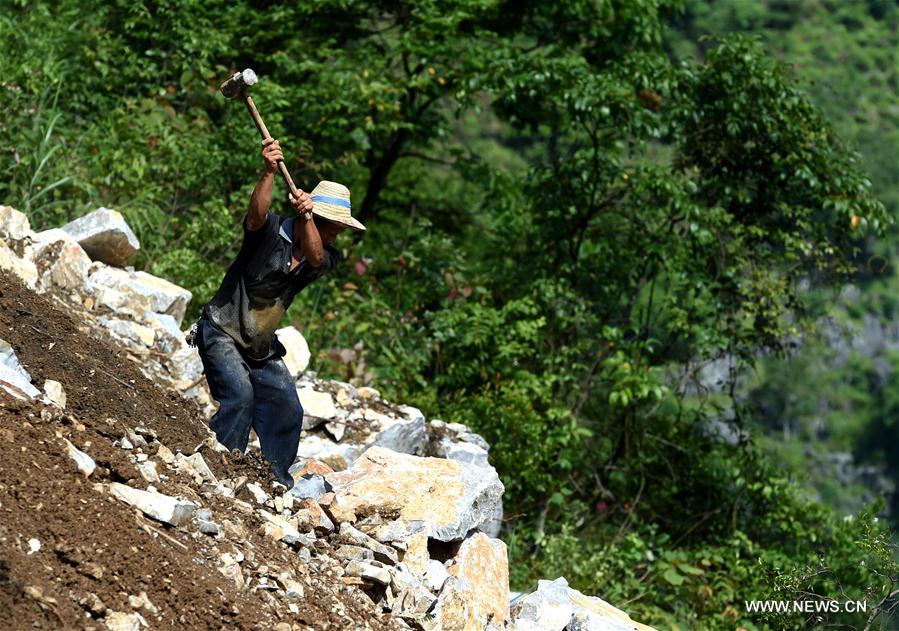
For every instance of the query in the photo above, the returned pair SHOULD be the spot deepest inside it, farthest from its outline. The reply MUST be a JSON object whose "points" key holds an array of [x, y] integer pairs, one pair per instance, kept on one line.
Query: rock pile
{"points": [[401, 510]]}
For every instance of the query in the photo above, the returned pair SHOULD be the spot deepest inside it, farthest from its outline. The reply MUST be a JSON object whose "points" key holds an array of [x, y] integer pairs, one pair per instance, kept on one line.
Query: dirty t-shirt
{"points": [[259, 286]]}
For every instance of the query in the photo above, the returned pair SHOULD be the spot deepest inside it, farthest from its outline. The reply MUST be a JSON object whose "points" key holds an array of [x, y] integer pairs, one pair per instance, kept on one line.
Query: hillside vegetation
{"points": [[572, 209]]}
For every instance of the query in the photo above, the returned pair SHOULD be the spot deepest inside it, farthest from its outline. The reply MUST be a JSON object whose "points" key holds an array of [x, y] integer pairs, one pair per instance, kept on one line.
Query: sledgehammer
{"points": [[238, 87]]}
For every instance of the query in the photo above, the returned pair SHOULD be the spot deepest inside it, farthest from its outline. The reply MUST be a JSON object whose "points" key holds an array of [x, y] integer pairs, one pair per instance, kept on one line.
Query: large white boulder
{"points": [[60, 261], [404, 433], [555, 606], [105, 236], [476, 592], [138, 292], [297, 357], [450, 498]]}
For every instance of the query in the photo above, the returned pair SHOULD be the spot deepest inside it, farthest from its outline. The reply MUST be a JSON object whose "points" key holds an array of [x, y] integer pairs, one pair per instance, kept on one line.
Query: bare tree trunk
{"points": [[380, 171]]}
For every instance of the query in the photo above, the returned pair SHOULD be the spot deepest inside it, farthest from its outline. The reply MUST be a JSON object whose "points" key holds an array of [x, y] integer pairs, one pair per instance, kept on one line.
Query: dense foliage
{"points": [[568, 218], [837, 419]]}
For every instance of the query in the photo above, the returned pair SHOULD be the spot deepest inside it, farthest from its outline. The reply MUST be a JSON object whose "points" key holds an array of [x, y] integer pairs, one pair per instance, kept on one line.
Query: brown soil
{"points": [[95, 551], [100, 380]]}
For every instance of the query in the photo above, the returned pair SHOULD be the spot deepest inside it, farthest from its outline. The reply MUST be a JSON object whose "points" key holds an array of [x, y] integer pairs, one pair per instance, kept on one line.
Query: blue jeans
{"points": [[251, 393]]}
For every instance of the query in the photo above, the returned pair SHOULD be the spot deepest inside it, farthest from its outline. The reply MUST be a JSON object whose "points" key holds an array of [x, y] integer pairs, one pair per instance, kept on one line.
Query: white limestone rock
{"points": [[185, 368], [169, 337], [129, 331], [318, 406], [105, 236], [450, 498], [338, 455], [309, 486], [23, 268], [14, 379], [336, 429], [555, 606], [368, 572], [147, 471], [14, 225], [258, 493], [474, 439], [142, 601], [462, 452], [206, 524], [435, 575], [350, 552], [397, 531], [476, 592], [367, 392], [280, 529], [161, 507], [195, 466], [297, 357], [494, 524], [405, 434], [121, 621], [412, 598], [230, 568], [60, 261], [165, 454], [356, 537], [55, 393], [85, 463], [138, 292]]}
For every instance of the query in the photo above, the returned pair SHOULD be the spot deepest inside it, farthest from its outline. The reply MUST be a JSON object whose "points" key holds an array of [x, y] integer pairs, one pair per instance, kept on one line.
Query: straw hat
{"points": [[332, 201]]}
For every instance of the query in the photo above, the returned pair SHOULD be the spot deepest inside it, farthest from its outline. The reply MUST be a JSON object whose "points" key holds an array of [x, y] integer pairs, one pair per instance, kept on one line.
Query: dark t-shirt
{"points": [[260, 286]]}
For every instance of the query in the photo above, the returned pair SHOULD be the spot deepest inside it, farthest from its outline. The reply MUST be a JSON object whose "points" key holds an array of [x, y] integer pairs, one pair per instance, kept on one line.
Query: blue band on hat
{"points": [[331, 200]]}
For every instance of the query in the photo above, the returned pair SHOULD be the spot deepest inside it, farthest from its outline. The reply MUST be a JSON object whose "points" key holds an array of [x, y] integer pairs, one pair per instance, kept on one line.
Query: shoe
{"points": [[285, 480]]}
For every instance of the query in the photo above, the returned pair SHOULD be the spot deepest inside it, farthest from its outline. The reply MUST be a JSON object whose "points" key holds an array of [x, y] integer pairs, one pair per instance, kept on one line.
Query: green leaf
{"points": [[673, 577]]}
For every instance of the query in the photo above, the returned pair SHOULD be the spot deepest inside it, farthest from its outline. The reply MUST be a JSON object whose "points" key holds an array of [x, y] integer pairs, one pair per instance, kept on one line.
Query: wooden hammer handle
{"points": [[263, 130]]}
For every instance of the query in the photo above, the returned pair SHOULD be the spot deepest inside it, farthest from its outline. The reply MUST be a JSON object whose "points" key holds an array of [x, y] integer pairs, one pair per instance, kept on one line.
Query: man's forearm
{"points": [[260, 201], [311, 242]]}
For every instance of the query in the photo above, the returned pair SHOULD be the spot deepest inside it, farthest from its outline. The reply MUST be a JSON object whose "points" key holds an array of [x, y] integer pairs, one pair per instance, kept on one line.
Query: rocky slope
{"points": [[121, 511]]}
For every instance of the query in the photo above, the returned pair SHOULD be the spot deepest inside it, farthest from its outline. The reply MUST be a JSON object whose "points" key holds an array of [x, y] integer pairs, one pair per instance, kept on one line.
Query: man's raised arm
{"points": [[261, 199], [310, 239]]}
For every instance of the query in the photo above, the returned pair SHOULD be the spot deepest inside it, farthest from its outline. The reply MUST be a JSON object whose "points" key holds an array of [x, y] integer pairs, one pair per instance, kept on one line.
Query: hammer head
{"points": [[238, 84]]}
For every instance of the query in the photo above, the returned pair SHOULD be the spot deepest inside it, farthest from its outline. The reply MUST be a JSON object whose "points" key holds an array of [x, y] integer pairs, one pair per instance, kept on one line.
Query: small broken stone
{"points": [[165, 454], [85, 463], [258, 492], [142, 601], [156, 505], [147, 471], [356, 537], [351, 552], [367, 571], [55, 393]]}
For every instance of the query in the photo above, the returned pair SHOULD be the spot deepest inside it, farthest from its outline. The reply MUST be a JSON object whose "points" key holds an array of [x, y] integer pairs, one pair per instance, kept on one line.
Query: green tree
{"points": [[566, 220]]}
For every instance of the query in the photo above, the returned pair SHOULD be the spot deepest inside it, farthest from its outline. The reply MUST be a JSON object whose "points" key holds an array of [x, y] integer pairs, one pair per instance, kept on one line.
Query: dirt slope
{"points": [[95, 552]]}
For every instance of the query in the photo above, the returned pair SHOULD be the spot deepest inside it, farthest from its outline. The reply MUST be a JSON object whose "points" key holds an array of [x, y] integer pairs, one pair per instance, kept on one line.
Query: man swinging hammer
{"points": [[235, 337]]}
